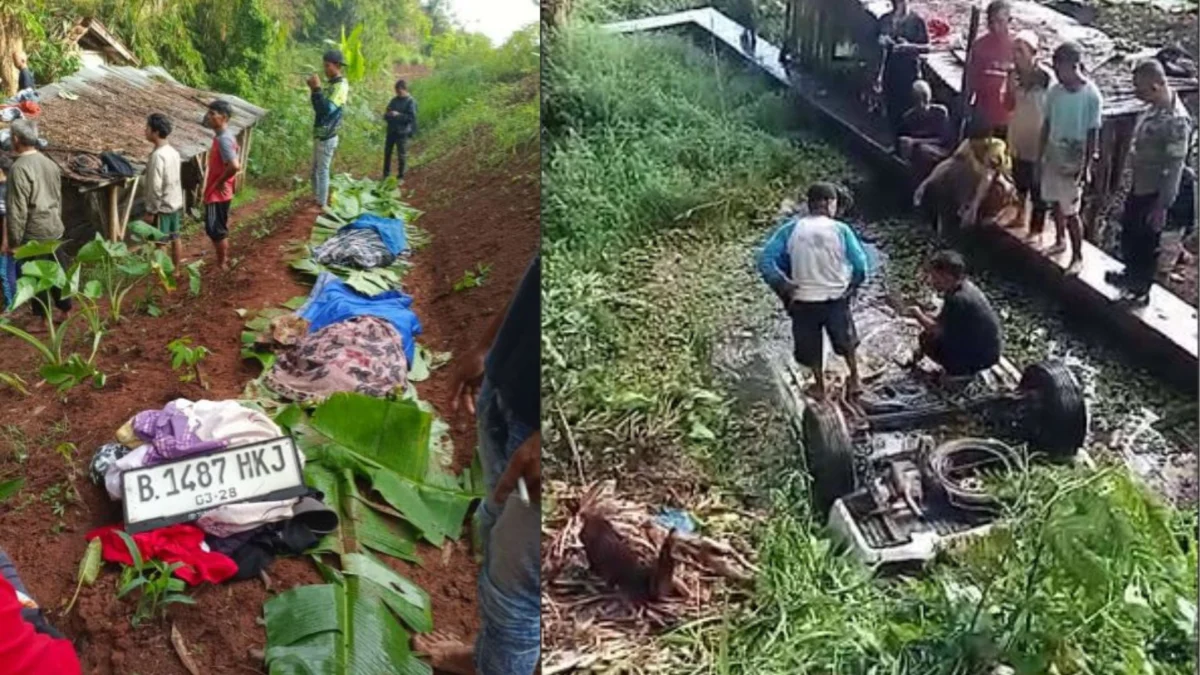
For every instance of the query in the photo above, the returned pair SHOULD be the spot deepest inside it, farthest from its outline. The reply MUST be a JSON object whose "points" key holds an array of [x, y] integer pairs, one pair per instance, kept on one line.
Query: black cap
{"points": [[335, 56]]}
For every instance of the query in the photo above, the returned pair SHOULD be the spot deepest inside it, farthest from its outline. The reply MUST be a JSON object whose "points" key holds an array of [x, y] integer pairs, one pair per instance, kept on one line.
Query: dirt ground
{"points": [[489, 217]]}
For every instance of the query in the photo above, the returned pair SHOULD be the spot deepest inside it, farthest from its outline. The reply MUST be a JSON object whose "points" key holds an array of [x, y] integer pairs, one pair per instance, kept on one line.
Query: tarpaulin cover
{"points": [[332, 301], [391, 230]]}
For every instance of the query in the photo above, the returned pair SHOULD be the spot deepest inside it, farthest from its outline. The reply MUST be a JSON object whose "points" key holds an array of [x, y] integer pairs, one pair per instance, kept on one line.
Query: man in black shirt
{"points": [[903, 38], [500, 383], [401, 119], [964, 338], [24, 75]]}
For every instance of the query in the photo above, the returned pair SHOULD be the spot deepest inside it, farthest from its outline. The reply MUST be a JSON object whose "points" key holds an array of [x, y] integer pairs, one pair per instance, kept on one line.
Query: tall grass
{"points": [[480, 97], [656, 164]]}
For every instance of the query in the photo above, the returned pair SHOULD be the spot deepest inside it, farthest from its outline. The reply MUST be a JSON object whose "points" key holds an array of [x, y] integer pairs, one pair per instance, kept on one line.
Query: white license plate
{"points": [[181, 491]]}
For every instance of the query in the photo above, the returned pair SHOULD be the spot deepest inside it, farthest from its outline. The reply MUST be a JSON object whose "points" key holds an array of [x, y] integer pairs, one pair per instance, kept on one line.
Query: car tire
{"points": [[1055, 418], [829, 453]]}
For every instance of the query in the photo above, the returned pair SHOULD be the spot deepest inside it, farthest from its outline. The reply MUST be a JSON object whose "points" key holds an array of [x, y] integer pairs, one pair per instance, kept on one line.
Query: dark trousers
{"points": [[1025, 178], [399, 142], [1139, 242], [53, 297], [897, 99]]}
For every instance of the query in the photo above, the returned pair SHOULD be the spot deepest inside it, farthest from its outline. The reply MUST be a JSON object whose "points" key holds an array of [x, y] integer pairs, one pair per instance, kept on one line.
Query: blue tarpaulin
{"points": [[332, 301], [390, 230]]}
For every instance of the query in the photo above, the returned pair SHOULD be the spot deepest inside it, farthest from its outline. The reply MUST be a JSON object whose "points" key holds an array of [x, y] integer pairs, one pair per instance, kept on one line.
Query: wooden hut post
{"points": [[114, 212], [246, 153], [129, 204]]}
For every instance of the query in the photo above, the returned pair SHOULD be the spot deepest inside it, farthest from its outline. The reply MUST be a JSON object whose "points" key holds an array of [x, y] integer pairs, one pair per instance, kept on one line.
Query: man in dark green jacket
{"points": [[34, 201]]}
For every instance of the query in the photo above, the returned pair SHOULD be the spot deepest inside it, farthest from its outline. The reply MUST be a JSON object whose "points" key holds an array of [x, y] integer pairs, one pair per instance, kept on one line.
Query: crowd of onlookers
{"points": [[1032, 136]]}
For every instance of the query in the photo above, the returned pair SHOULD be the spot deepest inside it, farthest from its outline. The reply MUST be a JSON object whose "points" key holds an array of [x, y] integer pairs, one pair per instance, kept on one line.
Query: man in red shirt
{"points": [[988, 66], [25, 647], [223, 168]]}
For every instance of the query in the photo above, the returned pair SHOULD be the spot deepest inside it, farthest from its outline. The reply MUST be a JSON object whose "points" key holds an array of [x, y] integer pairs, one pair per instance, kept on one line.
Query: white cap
{"points": [[1028, 37]]}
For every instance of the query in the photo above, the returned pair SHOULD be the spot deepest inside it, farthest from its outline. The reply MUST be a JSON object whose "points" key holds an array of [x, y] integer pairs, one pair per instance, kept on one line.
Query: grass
{"points": [[659, 166], [480, 97]]}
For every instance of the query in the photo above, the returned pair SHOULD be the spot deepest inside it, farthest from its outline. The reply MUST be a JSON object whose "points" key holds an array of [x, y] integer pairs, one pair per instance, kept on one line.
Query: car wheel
{"points": [[829, 453], [1055, 419]]}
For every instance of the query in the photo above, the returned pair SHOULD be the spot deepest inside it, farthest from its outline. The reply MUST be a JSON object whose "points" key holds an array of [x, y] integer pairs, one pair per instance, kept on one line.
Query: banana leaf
{"points": [[360, 524], [387, 444], [362, 635]]}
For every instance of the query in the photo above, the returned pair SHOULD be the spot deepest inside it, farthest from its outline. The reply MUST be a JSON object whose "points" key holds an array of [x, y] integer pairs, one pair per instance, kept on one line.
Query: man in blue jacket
{"points": [[814, 263], [327, 103]]}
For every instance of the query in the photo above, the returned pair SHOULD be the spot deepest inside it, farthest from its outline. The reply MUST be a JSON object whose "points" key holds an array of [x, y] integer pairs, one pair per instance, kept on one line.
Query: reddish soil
{"points": [[490, 218]]}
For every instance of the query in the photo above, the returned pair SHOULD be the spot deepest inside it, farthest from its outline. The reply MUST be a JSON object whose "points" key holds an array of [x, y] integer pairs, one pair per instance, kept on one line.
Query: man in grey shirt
{"points": [[34, 202], [1159, 153]]}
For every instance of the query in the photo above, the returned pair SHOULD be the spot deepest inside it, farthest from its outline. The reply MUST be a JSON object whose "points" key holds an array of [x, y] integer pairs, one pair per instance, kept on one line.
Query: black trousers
{"points": [[398, 142], [1025, 177], [1139, 242]]}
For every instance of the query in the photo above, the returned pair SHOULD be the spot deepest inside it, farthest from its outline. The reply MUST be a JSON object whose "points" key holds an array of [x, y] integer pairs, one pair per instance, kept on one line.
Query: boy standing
{"points": [[1069, 137], [401, 119], [327, 103], [1025, 99], [164, 191], [223, 168], [24, 75]]}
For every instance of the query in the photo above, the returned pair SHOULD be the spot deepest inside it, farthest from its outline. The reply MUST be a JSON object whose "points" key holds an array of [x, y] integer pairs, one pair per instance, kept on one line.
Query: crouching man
{"points": [[965, 337]]}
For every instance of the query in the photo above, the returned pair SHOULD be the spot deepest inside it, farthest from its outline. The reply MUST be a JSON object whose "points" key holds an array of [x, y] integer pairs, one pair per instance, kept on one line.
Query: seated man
{"points": [[926, 123], [965, 338], [972, 185]]}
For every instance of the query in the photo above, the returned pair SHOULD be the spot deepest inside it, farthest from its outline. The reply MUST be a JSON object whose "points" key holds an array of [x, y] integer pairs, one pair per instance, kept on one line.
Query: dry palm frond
{"points": [[585, 620]]}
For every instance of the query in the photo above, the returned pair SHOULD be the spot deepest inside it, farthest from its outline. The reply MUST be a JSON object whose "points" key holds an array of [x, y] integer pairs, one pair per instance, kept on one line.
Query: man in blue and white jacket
{"points": [[814, 263]]}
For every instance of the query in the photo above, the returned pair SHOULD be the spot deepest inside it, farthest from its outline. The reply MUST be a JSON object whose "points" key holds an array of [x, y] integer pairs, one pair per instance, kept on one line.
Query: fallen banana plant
{"points": [[375, 462]]}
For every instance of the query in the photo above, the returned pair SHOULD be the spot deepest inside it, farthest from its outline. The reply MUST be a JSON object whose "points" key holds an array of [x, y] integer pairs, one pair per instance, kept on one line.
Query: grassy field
{"points": [[662, 167]]}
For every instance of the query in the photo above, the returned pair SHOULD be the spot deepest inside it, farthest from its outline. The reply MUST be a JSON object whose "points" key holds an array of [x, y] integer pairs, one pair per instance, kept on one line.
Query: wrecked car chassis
{"points": [[896, 495]]}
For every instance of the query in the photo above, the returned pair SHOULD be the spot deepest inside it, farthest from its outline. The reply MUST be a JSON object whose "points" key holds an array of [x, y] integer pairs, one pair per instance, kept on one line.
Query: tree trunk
{"points": [[12, 40]]}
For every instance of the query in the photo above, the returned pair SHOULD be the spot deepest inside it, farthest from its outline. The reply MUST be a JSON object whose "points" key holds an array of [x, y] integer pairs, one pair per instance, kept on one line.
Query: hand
{"points": [[1157, 218], [468, 376], [968, 216], [919, 195], [313, 82], [1082, 176], [391, 113], [525, 463], [877, 86], [915, 312]]}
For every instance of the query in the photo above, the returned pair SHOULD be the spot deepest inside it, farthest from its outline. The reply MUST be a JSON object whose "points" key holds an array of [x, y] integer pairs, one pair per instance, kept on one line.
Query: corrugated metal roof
{"points": [[108, 111]]}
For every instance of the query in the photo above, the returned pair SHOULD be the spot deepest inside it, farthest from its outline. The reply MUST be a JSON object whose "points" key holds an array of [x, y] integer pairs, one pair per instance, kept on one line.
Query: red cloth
{"points": [[23, 650], [938, 28], [175, 543], [990, 60], [30, 108]]}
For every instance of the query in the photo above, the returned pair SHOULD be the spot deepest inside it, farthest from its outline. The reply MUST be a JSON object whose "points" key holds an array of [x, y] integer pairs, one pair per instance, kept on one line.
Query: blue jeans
{"points": [[510, 604], [322, 160]]}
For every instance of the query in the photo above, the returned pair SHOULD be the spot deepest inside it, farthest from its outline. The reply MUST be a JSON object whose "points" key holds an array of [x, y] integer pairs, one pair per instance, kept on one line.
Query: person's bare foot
{"points": [[1033, 237], [446, 653], [1059, 247], [1075, 266]]}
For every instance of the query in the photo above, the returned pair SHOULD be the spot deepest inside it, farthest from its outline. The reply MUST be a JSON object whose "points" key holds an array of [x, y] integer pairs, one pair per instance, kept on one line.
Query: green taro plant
{"points": [[473, 278], [39, 279], [187, 357], [156, 582]]}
